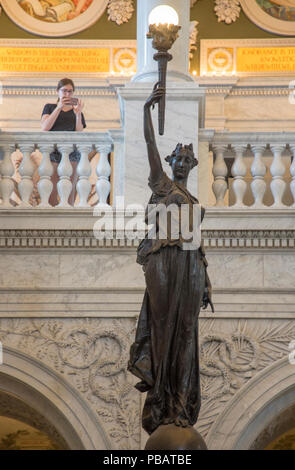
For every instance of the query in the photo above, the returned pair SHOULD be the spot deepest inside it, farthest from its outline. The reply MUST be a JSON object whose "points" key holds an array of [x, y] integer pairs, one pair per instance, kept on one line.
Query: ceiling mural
{"points": [[57, 18], [275, 16], [64, 17], [280, 9], [54, 11]]}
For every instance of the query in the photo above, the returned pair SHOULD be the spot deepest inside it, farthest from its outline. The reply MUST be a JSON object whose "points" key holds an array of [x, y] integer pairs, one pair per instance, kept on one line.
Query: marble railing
{"points": [[29, 177], [253, 170]]}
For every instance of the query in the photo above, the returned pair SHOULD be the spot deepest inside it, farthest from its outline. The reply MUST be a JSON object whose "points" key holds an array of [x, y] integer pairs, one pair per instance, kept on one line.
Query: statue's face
{"points": [[181, 165]]}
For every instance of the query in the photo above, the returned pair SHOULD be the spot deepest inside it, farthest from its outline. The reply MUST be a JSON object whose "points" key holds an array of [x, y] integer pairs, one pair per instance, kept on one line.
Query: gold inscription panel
{"points": [[46, 59], [265, 59], [247, 57]]}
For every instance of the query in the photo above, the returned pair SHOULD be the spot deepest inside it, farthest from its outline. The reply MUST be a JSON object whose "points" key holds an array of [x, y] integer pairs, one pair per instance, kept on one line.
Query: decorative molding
{"points": [[10, 90], [120, 11], [68, 43], [84, 239], [92, 356], [32, 91], [193, 38], [227, 10], [235, 90], [231, 354], [250, 239], [260, 91]]}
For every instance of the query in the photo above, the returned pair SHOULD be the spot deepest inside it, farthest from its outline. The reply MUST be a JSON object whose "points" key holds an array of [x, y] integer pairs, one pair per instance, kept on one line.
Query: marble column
{"points": [[184, 105]]}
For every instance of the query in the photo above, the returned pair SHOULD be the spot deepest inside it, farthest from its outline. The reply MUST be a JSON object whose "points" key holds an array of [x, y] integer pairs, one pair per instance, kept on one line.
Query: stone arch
{"points": [[54, 401], [15, 408], [253, 408]]}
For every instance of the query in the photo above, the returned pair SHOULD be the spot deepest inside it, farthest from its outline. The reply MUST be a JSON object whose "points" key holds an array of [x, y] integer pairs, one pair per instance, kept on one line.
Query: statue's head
{"points": [[182, 160]]}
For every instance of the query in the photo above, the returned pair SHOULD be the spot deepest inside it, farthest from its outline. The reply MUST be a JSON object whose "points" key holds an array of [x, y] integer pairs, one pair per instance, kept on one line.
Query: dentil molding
{"points": [[85, 240]]}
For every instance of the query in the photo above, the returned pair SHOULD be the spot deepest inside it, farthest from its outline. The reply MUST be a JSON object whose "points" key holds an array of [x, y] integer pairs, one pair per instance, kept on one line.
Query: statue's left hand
{"points": [[207, 300]]}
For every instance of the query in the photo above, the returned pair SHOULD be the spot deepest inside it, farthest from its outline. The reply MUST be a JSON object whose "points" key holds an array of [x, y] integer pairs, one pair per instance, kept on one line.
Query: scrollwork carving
{"points": [[92, 355], [229, 358]]}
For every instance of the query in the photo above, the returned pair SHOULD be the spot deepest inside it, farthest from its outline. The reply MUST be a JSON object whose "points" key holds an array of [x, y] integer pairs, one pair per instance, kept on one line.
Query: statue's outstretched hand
{"points": [[207, 300], [157, 94]]}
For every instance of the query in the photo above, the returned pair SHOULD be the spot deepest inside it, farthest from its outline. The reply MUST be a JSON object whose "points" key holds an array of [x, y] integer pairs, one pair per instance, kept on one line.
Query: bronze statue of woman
{"points": [[165, 352]]}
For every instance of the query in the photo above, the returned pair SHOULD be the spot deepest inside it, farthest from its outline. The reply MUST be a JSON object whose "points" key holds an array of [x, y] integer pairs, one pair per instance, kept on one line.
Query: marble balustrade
{"points": [[253, 170], [28, 174]]}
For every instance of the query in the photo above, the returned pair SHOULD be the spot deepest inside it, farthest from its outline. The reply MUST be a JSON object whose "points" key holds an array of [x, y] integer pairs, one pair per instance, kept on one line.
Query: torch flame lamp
{"points": [[164, 35]]}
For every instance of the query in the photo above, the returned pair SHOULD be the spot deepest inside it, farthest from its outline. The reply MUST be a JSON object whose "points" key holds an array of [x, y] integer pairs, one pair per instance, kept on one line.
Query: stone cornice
{"points": [[247, 91], [51, 91], [84, 239]]}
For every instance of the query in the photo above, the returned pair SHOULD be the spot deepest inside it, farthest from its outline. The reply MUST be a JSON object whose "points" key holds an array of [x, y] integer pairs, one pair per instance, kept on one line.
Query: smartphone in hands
{"points": [[74, 101]]}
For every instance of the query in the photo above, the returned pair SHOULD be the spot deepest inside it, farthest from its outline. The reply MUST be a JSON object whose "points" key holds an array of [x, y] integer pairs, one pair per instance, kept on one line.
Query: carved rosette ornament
{"points": [[120, 11], [227, 10]]}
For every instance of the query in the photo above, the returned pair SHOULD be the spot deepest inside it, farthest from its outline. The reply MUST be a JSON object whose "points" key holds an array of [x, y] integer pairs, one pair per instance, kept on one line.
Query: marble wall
{"points": [[73, 307]]}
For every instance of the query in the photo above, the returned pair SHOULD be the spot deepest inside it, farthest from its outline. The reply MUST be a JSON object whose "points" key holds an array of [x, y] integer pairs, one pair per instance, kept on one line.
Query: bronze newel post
{"points": [[164, 36]]}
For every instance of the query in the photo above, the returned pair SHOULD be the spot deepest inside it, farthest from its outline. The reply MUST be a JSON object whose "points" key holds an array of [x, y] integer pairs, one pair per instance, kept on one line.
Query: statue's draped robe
{"points": [[165, 353]]}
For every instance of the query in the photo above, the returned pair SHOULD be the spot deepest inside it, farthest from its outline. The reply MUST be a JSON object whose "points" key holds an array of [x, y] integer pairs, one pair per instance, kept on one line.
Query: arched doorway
{"points": [[257, 413], [18, 435], [279, 434], [35, 395]]}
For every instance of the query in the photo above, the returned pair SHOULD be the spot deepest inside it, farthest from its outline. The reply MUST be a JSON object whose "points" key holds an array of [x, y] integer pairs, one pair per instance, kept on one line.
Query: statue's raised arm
{"points": [[149, 134]]}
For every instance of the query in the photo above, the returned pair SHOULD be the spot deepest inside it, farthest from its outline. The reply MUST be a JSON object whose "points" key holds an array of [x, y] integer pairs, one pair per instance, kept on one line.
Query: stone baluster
{"points": [[220, 174], [258, 171], [239, 171], [64, 170], [103, 171], [84, 172], [45, 184], [278, 170], [7, 169], [292, 171], [26, 171]]}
